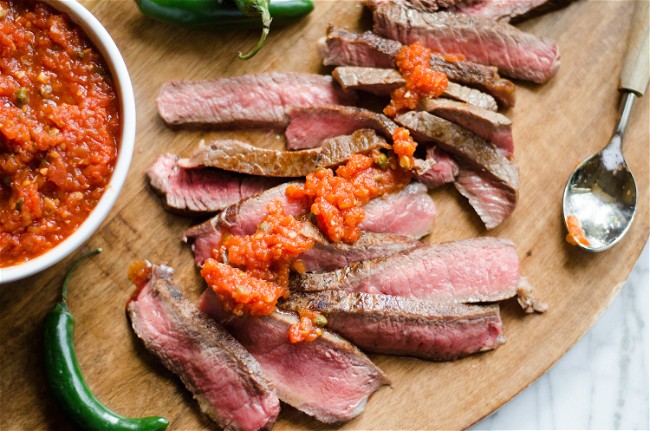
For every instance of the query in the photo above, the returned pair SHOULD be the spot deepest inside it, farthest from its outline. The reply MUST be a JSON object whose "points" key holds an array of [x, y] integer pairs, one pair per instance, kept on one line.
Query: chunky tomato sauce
{"points": [[262, 260], [414, 63], [576, 234], [58, 129], [338, 199]]}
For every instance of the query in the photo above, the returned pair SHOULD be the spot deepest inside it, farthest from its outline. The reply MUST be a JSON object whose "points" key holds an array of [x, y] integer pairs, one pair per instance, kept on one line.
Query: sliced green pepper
{"points": [[66, 382], [225, 15]]}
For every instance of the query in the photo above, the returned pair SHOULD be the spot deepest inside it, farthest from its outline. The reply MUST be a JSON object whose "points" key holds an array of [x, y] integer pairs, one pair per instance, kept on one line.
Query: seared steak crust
{"points": [[403, 326], [226, 380], [237, 156], [515, 53], [246, 100], [491, 126]]}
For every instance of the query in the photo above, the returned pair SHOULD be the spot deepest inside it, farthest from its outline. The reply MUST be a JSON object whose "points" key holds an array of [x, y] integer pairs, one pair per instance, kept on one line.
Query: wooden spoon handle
{"points": [[634, 74]]}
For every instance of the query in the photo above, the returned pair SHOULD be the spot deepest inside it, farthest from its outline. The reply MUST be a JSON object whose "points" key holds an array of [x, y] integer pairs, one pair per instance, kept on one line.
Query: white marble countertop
{"points": [[602, 382]]}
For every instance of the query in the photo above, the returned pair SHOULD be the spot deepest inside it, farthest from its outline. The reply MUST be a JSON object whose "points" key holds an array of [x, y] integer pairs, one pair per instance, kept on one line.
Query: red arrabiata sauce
{"points": [[58, 129], [262, 261], [414, 63], [576, 234], [337, 200]]}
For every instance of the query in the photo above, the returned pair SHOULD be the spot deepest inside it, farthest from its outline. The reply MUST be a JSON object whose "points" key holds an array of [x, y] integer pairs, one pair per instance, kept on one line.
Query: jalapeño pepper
{"points": [[66, 382], [224, 15]]}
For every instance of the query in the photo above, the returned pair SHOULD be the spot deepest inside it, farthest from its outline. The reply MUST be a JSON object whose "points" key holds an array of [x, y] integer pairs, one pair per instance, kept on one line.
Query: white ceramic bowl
{"points": [[104, 43]]}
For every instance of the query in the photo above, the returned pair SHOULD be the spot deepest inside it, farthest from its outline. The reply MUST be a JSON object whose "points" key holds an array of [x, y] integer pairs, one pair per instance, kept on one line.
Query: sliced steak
{"points": [[329, 378], [241, 218], [203, 190], [424, 5], [411, 211], [473, 152], [478, 76], [475, 270], [237, 156], [383, 81], [226, 380], [309, 127], [344, 48], [515, 53], [246, 100], [443, 171], [328, 256], [491, 126], [404, 326], [490, 199], [510, 11]]}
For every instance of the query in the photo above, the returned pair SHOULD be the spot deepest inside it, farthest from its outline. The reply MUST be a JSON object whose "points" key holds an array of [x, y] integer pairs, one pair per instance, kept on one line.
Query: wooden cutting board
{"points": [[555, 126]]}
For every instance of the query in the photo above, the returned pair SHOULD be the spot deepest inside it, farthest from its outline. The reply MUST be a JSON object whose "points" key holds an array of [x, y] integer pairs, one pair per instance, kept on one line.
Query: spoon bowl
{"points": [[601, 195]]}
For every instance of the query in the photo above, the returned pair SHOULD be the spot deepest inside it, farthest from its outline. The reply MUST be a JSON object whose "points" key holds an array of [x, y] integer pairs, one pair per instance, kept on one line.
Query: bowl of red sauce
{"points": [[67, 131]]}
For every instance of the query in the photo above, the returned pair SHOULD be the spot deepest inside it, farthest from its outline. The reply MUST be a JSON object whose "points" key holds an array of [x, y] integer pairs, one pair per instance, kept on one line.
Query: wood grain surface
{"points": [[555, 126]]}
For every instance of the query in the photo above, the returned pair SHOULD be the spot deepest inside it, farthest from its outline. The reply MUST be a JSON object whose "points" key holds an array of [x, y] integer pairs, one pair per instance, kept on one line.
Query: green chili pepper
{"points": [[255, 8], [226, 14], [66, 382]]}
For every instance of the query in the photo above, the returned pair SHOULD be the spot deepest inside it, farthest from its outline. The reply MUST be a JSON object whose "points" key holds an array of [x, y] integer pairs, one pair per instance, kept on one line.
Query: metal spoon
{"points": [[601, 192]]}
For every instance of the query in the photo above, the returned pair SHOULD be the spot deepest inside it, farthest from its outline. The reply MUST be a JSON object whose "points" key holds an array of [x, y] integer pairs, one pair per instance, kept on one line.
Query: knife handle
{"points": [[634, 74]]}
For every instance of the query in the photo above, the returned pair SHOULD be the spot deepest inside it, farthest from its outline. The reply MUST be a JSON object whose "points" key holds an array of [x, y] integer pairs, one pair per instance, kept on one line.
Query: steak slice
{"points": [[383, 81], [411, 211], [492, 202], [510, 11], [328, 378], [403, 326], [408, 212], [245, 101], [475, 270], [424, 5], [237, 156], [442, 172], [515, 53], [204, 190], [474, 153], [344, 48], [491, 126], [241, 218], [328, 256], [309, 127], [226, 380]]}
